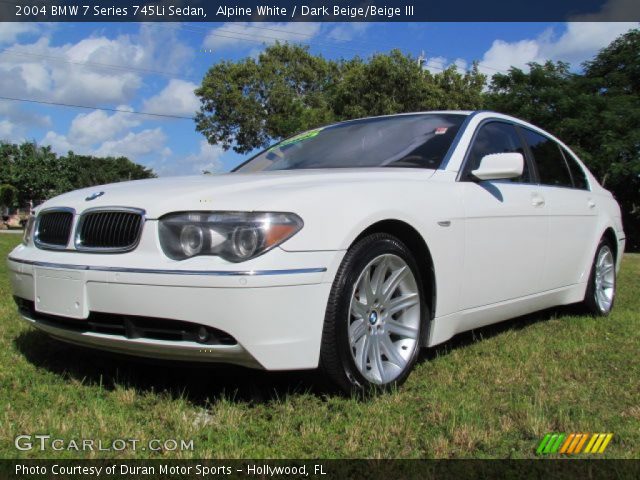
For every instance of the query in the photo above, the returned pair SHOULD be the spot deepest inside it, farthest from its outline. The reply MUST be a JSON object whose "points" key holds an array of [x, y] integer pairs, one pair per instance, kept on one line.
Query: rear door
{"points": [[505, 225], [570, 207]]}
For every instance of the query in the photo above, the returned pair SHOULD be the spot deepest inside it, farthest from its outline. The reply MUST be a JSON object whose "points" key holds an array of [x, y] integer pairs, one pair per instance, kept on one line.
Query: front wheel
{"points": [[375, 316], [601, 290]]}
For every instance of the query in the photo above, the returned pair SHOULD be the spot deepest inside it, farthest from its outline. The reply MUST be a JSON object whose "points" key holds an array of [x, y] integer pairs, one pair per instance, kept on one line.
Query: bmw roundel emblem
{"points": [[94, 195]]}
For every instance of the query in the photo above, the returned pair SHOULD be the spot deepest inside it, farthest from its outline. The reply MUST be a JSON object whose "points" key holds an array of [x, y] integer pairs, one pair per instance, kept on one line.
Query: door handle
{"points": [[591, 203], [537, 201]]}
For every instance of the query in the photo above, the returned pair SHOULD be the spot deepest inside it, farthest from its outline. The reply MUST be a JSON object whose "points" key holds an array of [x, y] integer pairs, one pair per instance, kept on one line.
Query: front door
{"points": [[505, 226]]}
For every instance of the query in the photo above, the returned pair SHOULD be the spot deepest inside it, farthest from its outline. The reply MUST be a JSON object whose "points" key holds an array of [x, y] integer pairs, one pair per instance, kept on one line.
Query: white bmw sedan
{"points": [[348, 247]]}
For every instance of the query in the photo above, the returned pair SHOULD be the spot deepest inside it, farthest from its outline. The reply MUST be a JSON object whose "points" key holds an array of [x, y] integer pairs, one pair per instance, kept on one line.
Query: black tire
{"points": [[336, 358], [590, 303]]}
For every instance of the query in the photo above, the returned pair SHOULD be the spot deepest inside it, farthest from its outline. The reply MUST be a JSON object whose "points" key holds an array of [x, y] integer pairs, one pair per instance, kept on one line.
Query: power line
{"points": [[255, 38], [242, 37], [87, 107], [225, 32], [364, 44], [235, 35]]}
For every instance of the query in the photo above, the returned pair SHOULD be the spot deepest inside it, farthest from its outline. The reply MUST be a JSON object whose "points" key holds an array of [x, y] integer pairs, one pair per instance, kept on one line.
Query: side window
{"points": [[577, 173], [496, 137], [552, 169]]}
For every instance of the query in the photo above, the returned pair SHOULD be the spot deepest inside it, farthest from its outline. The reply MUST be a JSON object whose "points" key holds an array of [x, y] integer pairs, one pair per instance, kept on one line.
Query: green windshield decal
{"points": [[298, 138]]}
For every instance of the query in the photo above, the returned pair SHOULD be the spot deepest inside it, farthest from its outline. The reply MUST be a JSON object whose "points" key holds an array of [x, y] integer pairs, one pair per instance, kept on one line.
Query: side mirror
{"points": [[499, 166]]}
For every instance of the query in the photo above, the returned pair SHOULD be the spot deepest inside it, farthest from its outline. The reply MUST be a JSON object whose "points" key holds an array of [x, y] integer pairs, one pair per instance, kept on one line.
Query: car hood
{"points": [[230, 191]]}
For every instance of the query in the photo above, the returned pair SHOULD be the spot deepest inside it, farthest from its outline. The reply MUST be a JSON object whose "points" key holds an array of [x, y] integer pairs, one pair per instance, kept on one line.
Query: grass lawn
{"points": [[492, 393]]}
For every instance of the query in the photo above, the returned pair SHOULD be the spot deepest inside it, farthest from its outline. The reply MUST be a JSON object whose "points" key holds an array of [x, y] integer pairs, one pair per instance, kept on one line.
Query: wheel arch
{"points": [[416, 243]]}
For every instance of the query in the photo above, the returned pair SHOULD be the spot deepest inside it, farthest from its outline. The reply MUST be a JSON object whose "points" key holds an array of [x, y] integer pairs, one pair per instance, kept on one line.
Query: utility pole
{"points": [[421, 59]]}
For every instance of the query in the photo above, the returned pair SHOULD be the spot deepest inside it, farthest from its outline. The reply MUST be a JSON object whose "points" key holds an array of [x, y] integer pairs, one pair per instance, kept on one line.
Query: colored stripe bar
{"points": [[581, 443], [574, 444], [591, 442], [550, 443], [596, 445], [566, 444], [543, 443], [605, 443], [554, 443]]}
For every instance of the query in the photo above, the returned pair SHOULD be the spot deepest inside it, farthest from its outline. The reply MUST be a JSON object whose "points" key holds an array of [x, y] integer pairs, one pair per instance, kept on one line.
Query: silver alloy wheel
{"points": [[384, 319], [605, 279]]}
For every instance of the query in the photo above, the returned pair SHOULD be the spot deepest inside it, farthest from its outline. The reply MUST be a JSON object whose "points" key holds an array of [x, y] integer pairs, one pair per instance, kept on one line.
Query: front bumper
{"points": [[275, 315]]}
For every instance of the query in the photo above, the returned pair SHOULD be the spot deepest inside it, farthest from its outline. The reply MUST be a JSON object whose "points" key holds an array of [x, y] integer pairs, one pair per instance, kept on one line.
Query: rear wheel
{"points": [[601, 290], [375, 316]]}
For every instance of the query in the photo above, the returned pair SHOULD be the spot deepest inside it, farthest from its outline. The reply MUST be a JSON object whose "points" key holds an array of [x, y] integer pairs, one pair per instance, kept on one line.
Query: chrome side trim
{"points": [[49, 246], [78, 242], [219, 273]]}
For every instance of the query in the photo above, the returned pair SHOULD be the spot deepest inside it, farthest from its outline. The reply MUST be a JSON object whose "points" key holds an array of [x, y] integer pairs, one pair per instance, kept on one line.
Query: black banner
{"points": [[322, 469], [317, 11]]}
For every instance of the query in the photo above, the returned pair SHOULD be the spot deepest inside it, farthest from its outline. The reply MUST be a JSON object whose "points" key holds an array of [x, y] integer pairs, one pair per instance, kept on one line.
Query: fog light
{"points": [[203, 335]]}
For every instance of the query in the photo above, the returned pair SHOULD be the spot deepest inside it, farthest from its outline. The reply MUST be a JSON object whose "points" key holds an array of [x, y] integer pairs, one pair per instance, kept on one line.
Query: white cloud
{"points": [[207, 158], [98, 126], [345, 32], [16, 122], [12, 111], [177, 98], [503, 55], [10, 31], [435, 64], [242, 35], [438, 64], [76, 72], [579, 42], [134, 145], [61, 145], [7, 130], [461, 65], [583, 39], [101, 134]]}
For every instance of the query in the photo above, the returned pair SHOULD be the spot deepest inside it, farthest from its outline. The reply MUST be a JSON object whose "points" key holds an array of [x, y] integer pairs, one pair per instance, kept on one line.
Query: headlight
{"points": [[234, 236], [28, 230]]}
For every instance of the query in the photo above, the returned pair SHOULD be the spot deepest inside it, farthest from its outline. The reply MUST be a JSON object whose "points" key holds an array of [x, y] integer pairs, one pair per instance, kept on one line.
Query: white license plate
{"points": [[61, 292]]}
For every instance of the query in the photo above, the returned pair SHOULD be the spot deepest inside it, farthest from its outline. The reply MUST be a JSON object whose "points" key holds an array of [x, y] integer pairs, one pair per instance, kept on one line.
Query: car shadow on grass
{"points": [[464, 339], [203, 385], [198, 383]]}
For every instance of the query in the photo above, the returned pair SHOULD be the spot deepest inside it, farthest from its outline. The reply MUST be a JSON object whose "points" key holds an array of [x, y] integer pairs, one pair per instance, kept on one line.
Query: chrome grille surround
{"points": [[48, 227], [109, 229]]}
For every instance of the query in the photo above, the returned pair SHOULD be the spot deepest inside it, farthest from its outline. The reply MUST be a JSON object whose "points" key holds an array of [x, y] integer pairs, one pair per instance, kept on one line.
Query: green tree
{"points": [[8, 195], [614, 79], [38, 173], [85, 171], [35, 171], [250, 103]]}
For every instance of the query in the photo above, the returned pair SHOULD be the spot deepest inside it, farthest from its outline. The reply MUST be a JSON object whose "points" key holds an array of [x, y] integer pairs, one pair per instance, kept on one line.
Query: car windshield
{"points": [[412, 141]]}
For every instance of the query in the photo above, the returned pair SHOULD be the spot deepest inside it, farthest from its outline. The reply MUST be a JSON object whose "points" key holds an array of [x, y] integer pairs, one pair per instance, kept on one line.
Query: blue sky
{"points": [[155, 67]]}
